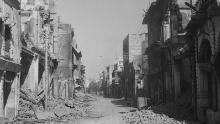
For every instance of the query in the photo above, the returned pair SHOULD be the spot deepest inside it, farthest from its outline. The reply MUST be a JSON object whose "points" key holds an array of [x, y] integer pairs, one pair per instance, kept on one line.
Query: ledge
{"points": [[7, 65]]}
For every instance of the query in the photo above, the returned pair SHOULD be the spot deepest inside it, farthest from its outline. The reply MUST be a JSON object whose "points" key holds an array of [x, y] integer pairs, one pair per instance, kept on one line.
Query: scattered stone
{"points": [[161, 114], [45, 115], [31, 108]]}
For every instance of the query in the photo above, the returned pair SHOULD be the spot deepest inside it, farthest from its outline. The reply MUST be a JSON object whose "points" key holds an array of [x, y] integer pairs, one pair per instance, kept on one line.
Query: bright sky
{"points": [[100, 27]]}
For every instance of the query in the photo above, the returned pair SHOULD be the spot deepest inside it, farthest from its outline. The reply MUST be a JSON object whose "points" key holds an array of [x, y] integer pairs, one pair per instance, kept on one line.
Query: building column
{"points": [[36, 71], [17, 93], [70, 88], [2, 111]]}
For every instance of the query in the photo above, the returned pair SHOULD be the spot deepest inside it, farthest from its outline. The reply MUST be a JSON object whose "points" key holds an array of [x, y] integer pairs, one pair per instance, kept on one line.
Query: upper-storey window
{"points": [[8, 39]]}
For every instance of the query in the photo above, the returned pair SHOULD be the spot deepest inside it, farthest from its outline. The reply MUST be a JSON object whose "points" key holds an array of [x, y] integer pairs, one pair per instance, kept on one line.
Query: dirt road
{"points": [[113, 111], [106, 111]]}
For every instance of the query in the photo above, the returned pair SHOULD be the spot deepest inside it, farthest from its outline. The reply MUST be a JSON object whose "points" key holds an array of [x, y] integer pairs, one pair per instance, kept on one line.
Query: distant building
{"points": [[132, 60]]}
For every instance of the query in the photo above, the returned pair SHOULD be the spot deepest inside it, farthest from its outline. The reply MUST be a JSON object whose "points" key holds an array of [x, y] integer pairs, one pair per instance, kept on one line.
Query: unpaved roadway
{"points": [[106, 111]]}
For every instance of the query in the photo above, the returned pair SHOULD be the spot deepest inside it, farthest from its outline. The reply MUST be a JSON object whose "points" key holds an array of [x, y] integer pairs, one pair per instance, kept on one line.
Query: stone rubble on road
{"points": [[170, 113], [31, 109], [149, 117]]}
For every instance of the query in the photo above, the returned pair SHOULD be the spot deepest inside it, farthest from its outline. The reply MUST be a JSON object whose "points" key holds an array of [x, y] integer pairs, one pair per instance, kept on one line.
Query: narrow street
{"points": [[106, 111], [118, 111], [109, 62]]}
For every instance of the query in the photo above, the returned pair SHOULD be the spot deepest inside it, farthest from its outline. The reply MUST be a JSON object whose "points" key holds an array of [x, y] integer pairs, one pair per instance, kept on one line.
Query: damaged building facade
{"points": [[204, 30], [183, 55], [49, 51], [9, 56], [33, 47], [133, 63], [111, 80], [38, 62], [167, 67], [68, 74], [30, 54]]}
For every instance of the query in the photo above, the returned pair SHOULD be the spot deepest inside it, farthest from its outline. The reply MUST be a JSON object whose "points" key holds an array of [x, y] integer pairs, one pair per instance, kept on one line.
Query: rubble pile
{"points": [[31, 106], [170, 113], [29, 103], [149, 117], [174, 110], [72, 109], [26, 110]]}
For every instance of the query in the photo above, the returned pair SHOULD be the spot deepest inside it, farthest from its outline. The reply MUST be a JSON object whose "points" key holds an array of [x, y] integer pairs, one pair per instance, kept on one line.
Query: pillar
{"points": [[2, 111], [36, 71], [17, 93]]}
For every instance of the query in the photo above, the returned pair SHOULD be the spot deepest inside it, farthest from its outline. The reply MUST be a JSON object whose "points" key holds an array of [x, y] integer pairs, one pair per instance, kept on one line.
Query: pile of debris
{"points": [[170, 113], [149, 117], [71, 109], [31, 107], [29, 103], [174, 110]]}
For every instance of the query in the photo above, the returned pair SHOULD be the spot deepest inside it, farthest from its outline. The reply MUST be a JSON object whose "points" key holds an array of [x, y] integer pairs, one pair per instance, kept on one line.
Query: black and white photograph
{"points": [[109, 61]]}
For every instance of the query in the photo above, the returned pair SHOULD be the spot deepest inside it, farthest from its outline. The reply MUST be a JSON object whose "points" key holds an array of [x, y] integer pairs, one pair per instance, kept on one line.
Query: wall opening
{"points": [[8, 39], [8, 80], [205, 53], [26, 61]]}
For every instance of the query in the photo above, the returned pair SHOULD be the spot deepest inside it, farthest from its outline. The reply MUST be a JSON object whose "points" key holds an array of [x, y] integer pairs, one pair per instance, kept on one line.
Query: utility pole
{"points": [[46, 68], [46, 81], [47, 38]]}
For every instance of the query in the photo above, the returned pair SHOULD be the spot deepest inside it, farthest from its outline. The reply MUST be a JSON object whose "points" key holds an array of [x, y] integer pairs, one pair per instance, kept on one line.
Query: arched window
{"points": [[8, 35]]}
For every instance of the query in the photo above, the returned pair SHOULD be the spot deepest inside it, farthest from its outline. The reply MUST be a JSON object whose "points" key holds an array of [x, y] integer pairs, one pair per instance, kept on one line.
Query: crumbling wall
{"points": [[64, 69], [11, 78]]}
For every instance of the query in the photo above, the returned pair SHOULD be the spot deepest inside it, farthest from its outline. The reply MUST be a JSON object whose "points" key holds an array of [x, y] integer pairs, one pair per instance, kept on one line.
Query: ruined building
{"points": [[37, 41], [10, 47], [132, 60], [68, 72], [203, 31], [183, 55]]}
